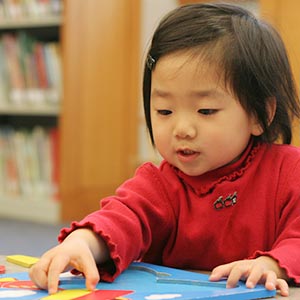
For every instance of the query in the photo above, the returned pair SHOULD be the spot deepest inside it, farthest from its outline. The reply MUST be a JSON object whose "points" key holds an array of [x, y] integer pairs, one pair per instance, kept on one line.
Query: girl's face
{"points": [[197, 124]]}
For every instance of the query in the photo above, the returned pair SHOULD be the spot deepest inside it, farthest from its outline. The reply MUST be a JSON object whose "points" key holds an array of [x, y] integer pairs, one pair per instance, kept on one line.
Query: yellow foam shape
{"points": [[7, 279], [67, 294], [22, 260]]}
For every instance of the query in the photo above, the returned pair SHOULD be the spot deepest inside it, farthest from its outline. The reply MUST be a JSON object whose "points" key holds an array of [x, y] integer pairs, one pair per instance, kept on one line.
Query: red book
{"points": [[41, 66]]}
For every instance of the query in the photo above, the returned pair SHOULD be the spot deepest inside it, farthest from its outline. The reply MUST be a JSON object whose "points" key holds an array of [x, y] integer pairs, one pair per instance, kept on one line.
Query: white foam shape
{"points": [[162, 296], [15, 293]]}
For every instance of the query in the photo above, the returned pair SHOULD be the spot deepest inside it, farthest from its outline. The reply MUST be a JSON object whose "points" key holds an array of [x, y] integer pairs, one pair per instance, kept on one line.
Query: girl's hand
{"points": [[80, 250], [262, 270]]}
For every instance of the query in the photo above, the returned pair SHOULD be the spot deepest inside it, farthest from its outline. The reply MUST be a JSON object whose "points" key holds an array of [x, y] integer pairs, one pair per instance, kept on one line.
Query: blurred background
{"points": [[71, 120]]}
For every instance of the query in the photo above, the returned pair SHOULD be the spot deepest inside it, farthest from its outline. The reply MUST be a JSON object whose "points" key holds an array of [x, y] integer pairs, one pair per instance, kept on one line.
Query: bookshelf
{"points": [[30, 102], [97, 115]]}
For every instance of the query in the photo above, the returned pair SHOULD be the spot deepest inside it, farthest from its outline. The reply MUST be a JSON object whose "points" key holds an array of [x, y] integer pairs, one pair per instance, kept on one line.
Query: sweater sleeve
{"points": [[137, 217], [286, 248]]}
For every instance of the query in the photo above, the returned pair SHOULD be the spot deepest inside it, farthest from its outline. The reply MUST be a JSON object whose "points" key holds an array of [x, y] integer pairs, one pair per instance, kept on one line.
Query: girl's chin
{"points": [[190, 172]]}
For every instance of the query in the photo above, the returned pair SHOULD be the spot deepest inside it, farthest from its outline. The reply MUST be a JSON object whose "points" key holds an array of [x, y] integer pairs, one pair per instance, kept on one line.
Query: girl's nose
{"points": [[184, 129]]}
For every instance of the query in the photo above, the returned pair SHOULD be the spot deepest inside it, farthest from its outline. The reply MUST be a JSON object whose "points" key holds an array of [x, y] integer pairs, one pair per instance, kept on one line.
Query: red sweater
{"points": [[163, 216]]}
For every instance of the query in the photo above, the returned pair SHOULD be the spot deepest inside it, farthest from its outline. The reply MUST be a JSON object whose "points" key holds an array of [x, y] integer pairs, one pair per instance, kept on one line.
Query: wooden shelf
{"points": [[40, 210], [48, 21], [39, 110]]}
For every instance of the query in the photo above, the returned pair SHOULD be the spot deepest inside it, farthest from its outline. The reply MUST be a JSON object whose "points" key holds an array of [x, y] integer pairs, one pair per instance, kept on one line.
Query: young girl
{"points": [[218, 92]]}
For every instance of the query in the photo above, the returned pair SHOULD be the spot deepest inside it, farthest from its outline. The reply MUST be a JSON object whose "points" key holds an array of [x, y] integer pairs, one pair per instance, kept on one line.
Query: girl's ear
{"points": [[271, 110]]}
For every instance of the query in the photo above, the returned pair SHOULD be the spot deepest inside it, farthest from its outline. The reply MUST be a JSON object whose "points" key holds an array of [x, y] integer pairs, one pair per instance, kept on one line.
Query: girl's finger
{"points": [[283, 287], [220, 272], [40, 278], [90, 272], [238, 272], [56, 267], [271, 281], [257, 274]]}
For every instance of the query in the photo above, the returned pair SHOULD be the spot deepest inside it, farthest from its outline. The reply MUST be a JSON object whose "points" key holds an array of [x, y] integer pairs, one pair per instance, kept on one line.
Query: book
{"points": [[14, 71], [54, 158], [3, 77], [40, 65], [53, 68], [10, 169]]}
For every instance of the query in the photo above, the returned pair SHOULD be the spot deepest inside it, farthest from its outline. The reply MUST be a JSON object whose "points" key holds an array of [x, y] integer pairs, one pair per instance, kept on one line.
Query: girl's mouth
{"points": [[186, 152], [187, 155]]}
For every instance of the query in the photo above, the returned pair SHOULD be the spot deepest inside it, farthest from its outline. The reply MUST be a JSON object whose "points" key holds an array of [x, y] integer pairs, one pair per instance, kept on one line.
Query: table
{"points": [[12, 268]]}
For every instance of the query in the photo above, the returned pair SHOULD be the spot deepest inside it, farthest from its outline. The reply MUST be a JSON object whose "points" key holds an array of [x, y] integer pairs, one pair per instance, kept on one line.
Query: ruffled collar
{"points": [[205, 183]]}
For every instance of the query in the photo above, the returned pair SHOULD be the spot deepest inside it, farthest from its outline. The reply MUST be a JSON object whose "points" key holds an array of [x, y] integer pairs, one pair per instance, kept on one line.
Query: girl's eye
{"points": [[207, 111], [164, 112]]}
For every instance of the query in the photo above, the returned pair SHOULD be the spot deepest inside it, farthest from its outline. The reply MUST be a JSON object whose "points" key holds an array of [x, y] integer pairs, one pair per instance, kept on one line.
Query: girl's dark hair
{"points": [[249, 52]]}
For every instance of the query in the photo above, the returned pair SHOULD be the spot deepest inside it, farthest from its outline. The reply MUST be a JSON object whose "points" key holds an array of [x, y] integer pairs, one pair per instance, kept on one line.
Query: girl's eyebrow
{"points": [[207, 93], [160, 93], [195, 94]]}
